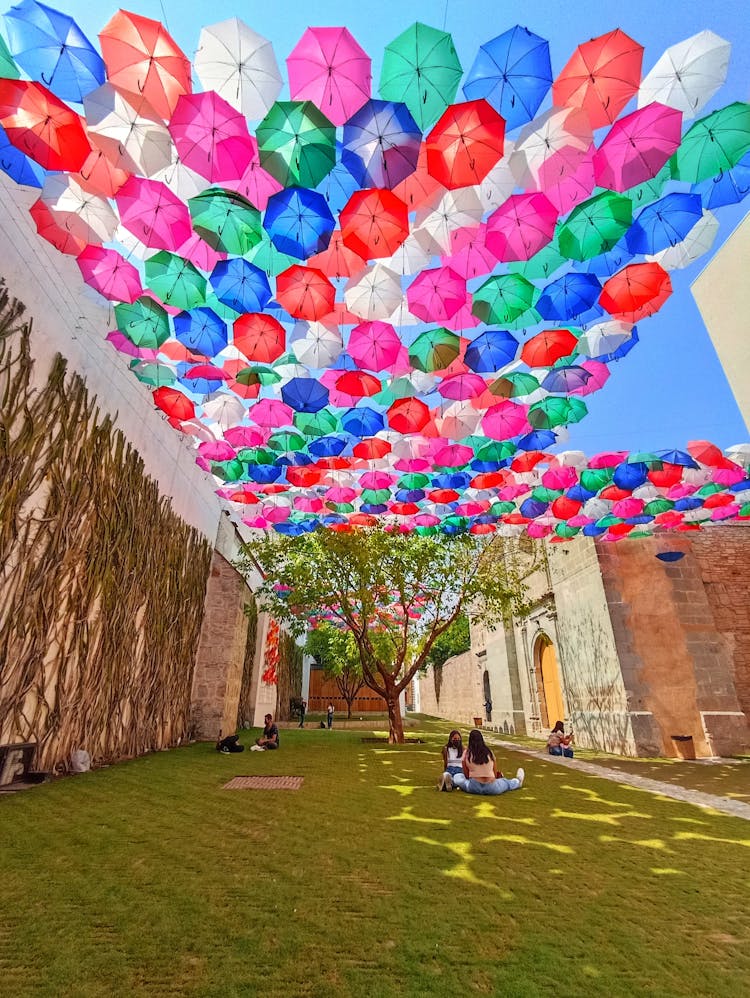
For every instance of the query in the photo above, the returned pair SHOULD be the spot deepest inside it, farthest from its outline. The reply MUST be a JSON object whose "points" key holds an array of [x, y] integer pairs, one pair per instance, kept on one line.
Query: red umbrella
{"points": [[174, 403], [374, 223], [465, 144], [42, 126], [636, 291], [141, 57], [305, 292], [371, 448], [521, 226], [601, 76], [337, 260], [705, 452], [420, 186], [98, 175], [48, 228], [153, 214], [260, 337], [408, 416], [358, 383], [549, 346], [436, 295]]}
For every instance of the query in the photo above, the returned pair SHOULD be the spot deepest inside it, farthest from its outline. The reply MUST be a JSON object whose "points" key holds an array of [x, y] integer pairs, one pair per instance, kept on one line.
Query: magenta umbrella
{"points": [[330, 68], [377, 480], [211, 136], [599, 376], [452, 455], [521, 226], [255, 184], [374, 345], [121, 343], [153, 214], [637, 146], [245, 436], [505, 420], [436, 295], [469, 255], [271, 412], [460, 387], [110, 274]]}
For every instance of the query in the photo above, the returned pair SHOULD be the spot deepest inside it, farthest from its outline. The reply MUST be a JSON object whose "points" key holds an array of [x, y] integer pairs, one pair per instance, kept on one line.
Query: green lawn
{"points": [[149, 879]]}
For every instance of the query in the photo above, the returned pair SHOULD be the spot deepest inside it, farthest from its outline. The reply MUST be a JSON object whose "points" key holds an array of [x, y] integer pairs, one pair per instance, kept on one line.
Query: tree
{"points": [[453, 641], [395, 593], [335, 650]]}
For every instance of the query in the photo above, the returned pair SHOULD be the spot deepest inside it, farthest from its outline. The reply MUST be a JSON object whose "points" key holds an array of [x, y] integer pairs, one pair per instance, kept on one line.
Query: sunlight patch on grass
{"points": [[485, 809], [700, 836], [667, 871], [522, 840], [605, 819], [644, 843], [595, 798], [462, 870], [405, 791], [407, 814]]}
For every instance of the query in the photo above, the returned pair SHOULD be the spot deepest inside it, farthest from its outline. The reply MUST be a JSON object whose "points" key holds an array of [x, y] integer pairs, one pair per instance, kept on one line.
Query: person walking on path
{"points": [[302, 712], [480, 773], [329, 716]]}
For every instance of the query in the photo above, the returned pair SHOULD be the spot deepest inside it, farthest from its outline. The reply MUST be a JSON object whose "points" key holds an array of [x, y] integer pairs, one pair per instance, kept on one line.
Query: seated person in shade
{"points": [[559, 743], [270, 737], [480, 773]]}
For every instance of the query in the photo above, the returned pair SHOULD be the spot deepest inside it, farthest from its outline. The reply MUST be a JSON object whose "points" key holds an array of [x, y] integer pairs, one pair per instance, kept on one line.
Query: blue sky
{"points": [[671, 387]]}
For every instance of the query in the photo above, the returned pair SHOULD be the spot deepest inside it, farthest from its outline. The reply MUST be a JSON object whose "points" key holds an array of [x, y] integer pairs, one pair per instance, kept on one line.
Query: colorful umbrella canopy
{"points": [[503, 298], [688, 74], [491, 351], [110, 274], [240, 286], [305, 293], [239, 65], [211, 137], [128, 131], [601, 76], [39, 125], [374, 223], [551, 148], [374, 345], [568, 296], [330, 68], [153, 214], [465, 144], [422, 70], [381, 144], [144, 322], [260, 337], [512, 72], [521, 226], [297, 143], [595, 226], [636, 291], [434, 350], [201, 330], [436, 295], [549, 346], [664, 223], [299, 222], [50, 47], [637, 146], [225, 220], [713, 144], [175, 280]]}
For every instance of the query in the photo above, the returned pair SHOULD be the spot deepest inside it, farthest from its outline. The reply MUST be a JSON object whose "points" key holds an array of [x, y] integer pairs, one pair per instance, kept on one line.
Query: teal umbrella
{"points": [[226, 221], [297, 144], [713, 144], [145, 322], [157, 375], [175, 280], [422, 70], [556, 411], [595, 226], [504, 298]]}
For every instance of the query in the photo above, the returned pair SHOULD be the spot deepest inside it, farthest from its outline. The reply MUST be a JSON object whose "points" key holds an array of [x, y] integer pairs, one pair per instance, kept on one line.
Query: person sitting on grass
{"points": [[559, 743], [453, 751], [270, 737], [480, 773]]}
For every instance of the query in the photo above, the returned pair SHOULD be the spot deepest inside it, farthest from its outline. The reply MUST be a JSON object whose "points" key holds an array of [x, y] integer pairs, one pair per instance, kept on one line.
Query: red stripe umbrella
{"points": [[547, 347], [42, 126], [261, 338], [374, 223], [465, 144], [636, 291], [408, 416], [174, 403], [48, 228], [601, 76], [305, 292]]}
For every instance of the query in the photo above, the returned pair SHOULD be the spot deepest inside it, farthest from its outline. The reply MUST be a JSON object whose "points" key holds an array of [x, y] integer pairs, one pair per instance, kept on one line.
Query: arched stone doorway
{"points": [[549, 689]]}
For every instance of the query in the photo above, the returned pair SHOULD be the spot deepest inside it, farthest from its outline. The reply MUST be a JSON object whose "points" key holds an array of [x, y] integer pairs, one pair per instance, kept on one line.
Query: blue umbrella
{"points": [[289, 529], [592, 530], [533, 508], [537, 440], [664, 223], [578, 493], [264, 474], [409, 495], [688, 502], [201, 330], [371, 507], [566, 379], [299, 222], [328, 446], [670, 555], [241, 285], [19, 167], [305, 394], [623, 349], [730, 187], [338, 186], [568, 296], [491, 350], [53, 50], [456, 480], [381, 144], [512, 72], [607, 264], [677, 457], [629, 476], [362, 422]]}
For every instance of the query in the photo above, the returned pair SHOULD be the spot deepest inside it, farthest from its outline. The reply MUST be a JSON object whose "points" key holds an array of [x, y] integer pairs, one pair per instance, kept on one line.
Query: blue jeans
{"points": [[454, 771], [499, 786], [559, 750]]}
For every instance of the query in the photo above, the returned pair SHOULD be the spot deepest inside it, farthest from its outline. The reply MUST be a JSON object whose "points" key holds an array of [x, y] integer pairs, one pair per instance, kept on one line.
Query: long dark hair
{"points": [[559, 726], [460, 745], [477, 751]]}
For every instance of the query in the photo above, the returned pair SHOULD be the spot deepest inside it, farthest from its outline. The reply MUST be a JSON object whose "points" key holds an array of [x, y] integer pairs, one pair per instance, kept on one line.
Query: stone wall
{"points": [[460, 687]]}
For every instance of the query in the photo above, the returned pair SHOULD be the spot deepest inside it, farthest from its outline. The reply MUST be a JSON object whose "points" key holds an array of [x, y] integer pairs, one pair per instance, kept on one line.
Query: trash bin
{"points": [[477, 722], [684, 746]]}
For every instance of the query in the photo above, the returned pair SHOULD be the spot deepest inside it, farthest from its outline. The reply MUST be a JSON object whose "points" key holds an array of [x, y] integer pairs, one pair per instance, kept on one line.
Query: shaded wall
{"points": [[457, 693]]}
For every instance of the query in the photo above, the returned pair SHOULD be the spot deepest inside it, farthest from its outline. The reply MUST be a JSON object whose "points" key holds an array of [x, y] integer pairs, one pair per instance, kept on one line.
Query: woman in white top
{"points": [[480, 773], [453, 752]]}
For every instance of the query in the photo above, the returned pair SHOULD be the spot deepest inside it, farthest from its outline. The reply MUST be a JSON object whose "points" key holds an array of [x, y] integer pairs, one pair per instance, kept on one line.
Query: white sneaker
{"points": [[256, 748], [520, 776], [447, 781]]}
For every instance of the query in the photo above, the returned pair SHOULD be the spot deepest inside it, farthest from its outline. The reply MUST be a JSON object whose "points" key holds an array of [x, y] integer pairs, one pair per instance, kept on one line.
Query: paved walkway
{"points": [[736, 808]]}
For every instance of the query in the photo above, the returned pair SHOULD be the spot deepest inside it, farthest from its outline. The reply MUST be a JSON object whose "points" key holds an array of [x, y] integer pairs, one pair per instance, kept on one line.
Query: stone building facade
{"points": [[639, 656]]}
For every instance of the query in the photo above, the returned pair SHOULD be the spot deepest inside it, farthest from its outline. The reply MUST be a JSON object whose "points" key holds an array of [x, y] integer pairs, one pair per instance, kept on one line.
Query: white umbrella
{"points": [[688, 74], [412, 256], [740, 454], [240, 65], [226, 410], [84, 214], [596, 508], [698, 241], [181, 180], [551, 147], [132, 244], [571, 459], [373, 293], [604, 338], [316, 344], [454, 210], [499, 183], [131, 141], [459, 420]]}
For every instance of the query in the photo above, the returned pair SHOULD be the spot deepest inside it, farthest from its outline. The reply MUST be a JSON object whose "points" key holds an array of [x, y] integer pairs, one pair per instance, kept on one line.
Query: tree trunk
{"points": [[395, 721], [348, 710]]}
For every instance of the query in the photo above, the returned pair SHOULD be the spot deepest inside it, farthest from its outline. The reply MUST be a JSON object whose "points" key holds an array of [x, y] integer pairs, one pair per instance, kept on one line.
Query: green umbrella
{"points": [[658, 506], [713, 144], [268, 258], [157, 375], [542, 265], [650, 190], [710, 489], [8, 68], [609, 520], [228, 471], [502, 507], [175, 280], [297, 143], [145, 323], [225, 220], [456, 521], [222, 310], [556, 411], [340, 507], [375, 496], [496, 450], [286, 440], [744, 510], [434, 350], [258, 375], [427, 531], [543, 494], [563, 530], [413, 480], [595, 479], [645, 457], [595, 226], [316, 424], [421, 69], [504, 298], [256, 455], [398, 388], [515, 384]]}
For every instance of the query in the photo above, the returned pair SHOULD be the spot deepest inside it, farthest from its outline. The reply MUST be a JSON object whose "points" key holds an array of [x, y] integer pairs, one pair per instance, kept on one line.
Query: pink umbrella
{"points": [[637, 146], [464, 318], [426, 520], [377, 480], [505, 420], [328, 67], [110, 274], [521, 226], [217, 450], [153, 214], [469, 255], [725, 512], [607, 459], [197, 251], [436, 295], [560, 478], [308, 504], [453, 455], [246, 436], [211, 136], [627, 507], [122, 344], [255, 184], [462, 386], [271, 412], [340, 493], [575, 188], [374, 345], [600, 374], [472, 507]]}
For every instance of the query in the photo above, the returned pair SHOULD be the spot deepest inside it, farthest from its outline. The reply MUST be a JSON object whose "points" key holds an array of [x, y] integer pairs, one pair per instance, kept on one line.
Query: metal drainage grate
{"points": [[264, 783]]}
